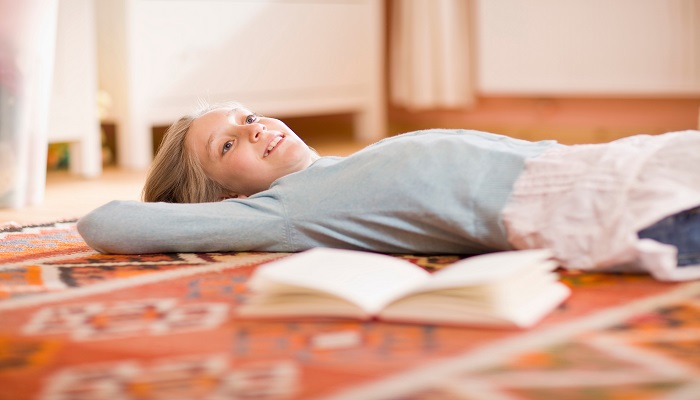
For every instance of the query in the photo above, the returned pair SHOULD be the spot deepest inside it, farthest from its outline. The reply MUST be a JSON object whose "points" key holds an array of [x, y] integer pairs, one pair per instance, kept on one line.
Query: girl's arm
{"points": [[131, 227]]}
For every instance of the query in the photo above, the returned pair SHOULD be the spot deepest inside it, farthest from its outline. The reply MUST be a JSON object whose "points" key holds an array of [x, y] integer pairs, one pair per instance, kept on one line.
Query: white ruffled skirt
{"points": [[587, 202]]}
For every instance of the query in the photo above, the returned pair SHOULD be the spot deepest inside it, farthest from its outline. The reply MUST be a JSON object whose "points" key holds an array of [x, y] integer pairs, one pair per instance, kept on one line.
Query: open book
{"points": [[515, 288]]}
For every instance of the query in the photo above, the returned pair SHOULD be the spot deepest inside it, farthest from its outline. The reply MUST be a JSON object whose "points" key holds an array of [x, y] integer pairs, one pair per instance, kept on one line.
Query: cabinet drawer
{"points": [[248, 50]]}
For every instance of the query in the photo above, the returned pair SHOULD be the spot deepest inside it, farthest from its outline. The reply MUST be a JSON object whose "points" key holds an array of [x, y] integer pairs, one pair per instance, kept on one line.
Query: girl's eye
{"points": [[251, 118], [227, 147]]}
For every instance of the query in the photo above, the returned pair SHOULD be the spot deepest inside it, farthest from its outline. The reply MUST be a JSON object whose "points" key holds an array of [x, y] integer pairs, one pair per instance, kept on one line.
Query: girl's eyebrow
{"points": [[208, 147], [231, 112]]}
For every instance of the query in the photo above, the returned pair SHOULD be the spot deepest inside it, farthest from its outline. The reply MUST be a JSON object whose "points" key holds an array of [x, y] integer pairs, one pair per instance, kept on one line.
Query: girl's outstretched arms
{"points": [[131, 227]]}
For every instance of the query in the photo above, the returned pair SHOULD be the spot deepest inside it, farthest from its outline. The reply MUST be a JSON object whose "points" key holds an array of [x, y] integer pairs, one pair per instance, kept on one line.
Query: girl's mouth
{"points": [[273, 144]]}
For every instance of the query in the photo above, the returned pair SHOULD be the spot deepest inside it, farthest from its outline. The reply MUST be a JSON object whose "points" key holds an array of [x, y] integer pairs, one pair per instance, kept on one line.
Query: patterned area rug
{"points": [[75, 324]]}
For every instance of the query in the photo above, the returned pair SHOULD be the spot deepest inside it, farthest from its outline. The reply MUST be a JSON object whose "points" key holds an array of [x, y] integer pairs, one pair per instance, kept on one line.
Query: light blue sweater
{"points": [[435, 191]]}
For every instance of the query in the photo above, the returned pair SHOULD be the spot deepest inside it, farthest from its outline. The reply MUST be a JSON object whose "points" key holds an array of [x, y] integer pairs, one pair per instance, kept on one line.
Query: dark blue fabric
{"points": [[681, 230]]}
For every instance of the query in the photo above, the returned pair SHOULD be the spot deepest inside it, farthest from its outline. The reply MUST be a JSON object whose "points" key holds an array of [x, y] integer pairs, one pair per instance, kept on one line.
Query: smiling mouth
{"points": [[272, 145]]}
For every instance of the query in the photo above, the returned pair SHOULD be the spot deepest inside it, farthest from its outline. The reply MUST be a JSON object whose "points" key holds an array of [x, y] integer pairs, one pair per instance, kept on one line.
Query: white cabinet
{"points": [[73, 106], [279, 57], [588, 47]]}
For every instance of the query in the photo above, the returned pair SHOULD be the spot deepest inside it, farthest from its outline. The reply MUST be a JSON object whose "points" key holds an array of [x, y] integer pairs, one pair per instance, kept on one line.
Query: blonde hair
{"points": [[175, 175]]}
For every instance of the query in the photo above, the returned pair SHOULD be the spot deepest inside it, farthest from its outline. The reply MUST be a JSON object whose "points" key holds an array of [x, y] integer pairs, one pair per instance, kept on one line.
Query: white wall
{"points": [[588, 47]]}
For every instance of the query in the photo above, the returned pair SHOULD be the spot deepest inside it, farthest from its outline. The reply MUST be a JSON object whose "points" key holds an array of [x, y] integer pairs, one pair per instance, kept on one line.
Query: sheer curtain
{"points": [[27, 42], [430, 55]]}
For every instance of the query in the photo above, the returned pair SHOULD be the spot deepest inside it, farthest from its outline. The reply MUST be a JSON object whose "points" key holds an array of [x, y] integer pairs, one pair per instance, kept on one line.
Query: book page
{"points": [[515, 288], [489, 269], [440, 307], [367, 279], [286, 300]]}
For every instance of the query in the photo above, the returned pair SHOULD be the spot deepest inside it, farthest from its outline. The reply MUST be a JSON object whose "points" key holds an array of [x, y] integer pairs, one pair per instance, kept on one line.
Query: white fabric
{"points": [[27, 43], [430, 65], [587, 202]]}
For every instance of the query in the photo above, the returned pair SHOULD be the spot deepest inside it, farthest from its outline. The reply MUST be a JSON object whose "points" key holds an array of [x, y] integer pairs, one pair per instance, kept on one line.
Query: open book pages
{"points": [[514, 288]]}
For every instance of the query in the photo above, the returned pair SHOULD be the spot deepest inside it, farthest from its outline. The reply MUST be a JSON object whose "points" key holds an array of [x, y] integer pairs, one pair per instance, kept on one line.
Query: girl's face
{"points": [[245, 153]]}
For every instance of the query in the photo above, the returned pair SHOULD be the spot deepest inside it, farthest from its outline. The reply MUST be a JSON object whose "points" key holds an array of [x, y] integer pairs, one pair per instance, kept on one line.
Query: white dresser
{"points": [[73, 115], [157, 58]]}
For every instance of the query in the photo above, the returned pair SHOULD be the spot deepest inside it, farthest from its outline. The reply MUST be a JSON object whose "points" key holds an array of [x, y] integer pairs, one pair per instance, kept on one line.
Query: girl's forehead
{"points": [[213, 121], [230, 115], [204, 127], [213, 117]]}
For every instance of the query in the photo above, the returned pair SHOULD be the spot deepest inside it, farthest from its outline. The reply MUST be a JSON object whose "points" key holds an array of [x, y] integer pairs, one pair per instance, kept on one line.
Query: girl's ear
{"points": [[229, 195]]}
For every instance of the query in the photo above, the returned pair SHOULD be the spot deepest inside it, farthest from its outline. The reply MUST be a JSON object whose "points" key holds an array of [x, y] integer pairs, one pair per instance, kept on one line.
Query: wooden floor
{"points": [[69, 196]]}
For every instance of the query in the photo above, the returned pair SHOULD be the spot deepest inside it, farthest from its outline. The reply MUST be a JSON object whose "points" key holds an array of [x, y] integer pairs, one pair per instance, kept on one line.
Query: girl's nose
{"points": [[255, 131]]}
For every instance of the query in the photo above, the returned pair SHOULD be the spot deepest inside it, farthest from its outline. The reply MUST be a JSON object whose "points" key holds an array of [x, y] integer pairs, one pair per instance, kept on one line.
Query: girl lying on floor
{"points": [[226, 179]]}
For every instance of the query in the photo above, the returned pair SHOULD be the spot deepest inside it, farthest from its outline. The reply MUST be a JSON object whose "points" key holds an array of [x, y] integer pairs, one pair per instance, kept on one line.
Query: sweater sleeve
{"points": [[131, 227]]}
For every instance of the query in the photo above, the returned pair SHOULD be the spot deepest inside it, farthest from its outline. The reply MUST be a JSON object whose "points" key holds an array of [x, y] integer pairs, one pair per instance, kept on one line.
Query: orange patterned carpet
{"points": [[75, 324]]}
